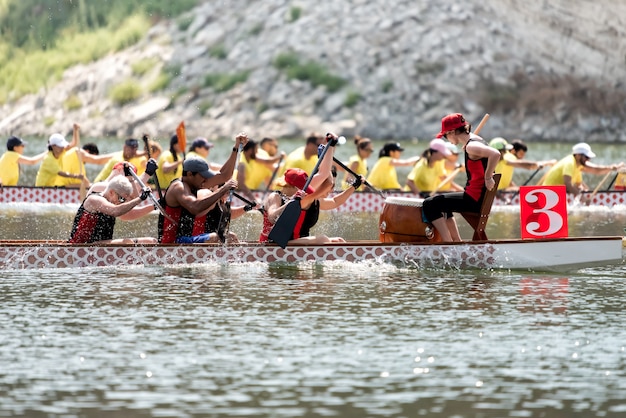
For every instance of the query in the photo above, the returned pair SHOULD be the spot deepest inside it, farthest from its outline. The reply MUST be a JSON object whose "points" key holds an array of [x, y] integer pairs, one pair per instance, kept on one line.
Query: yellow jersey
{"points": [[565, 167], [9, 168], [361, 169], [48, 174], [166, 178], [383, 175], [427, 178], [506, 170]]}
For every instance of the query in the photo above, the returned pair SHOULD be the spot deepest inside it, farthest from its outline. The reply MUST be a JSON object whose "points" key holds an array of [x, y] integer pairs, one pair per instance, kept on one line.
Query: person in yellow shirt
{"points": [[304, 157], [430, 170], [383, 175], [170, 163], [568, 171], [509, 161], [11, 160], [358, 162], [51, 172], [128, 154], [252, 170], [201, 148], [74, 161]]}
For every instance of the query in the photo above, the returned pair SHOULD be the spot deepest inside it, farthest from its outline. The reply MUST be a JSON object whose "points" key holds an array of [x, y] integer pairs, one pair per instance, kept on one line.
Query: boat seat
{"points": [[478, 221]]}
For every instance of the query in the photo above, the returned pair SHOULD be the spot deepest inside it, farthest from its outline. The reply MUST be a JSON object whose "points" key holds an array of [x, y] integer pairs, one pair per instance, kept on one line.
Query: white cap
{"points": [[584, 149], [439, 145], [58, 140]]}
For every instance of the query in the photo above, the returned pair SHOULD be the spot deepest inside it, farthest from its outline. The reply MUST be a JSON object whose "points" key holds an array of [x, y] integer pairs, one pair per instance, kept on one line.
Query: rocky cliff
{"points": [[381, 68]]}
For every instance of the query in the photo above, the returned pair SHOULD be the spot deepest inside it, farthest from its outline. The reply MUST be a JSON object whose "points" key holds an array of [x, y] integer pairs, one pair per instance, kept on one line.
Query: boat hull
{"points": [[540, 255], [358, 202]]}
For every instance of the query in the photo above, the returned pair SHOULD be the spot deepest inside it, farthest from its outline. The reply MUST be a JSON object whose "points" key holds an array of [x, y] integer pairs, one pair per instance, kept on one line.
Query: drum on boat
{"points": [[401, 221]]}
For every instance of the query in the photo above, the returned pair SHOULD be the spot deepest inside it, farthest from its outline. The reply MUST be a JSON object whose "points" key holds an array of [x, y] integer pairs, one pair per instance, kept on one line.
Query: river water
{"points": [[310, 339]]}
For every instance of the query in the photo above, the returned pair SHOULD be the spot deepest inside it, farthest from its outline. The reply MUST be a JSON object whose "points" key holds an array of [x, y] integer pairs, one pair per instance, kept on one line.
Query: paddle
{"points": [[83, 182], [154, 176], [286, 222], [595, 191], [224, 225], [345, 167], [458, 169], [612, 182], [151, 196], [182, 137], [249, 202]]}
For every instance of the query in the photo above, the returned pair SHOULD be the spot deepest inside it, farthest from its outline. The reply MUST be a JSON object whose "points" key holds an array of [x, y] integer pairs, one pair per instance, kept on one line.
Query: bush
{"points": [[387, 86], [204, 107], [223, 82], [140, 68], [218, 51], [352, 99], [73, 102], [125, 92], [311, 71], [295, 13], [161, 82]]}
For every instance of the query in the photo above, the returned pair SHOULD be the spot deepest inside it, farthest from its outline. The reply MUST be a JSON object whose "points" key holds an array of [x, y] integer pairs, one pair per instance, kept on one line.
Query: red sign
{"points": [[543, 212]]}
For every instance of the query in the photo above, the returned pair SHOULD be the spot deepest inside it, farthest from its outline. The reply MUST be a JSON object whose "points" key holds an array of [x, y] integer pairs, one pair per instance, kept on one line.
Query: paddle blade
{"points": [[182, 136], [285, 224]]}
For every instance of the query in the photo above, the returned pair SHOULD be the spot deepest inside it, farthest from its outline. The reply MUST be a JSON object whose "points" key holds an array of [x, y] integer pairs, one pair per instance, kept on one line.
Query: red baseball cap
{"points": [[297, 177], [451, 122], [120, 166]]}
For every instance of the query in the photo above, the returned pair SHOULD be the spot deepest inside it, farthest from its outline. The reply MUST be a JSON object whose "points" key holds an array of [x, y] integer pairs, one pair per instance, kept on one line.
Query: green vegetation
{"points": [[352, 99], [73, 102], [125, 92], [49, 121], [204, 107], [294, 13], [39, 39], [311, 71], [223, 82], [142, 67], [387, 86], [161, 82], [256, 29], [218, 51]]}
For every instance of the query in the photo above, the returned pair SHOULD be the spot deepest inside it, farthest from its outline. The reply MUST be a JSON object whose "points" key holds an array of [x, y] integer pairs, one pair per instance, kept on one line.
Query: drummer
{"points": [[480, 164]]}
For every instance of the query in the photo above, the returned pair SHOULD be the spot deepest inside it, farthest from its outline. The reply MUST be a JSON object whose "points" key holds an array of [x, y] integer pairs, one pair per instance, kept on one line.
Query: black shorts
{"points": [[436, 206]]}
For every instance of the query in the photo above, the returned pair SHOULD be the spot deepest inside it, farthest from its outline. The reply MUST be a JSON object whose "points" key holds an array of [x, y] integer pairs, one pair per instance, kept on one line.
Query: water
{"points": [[311, 339]]}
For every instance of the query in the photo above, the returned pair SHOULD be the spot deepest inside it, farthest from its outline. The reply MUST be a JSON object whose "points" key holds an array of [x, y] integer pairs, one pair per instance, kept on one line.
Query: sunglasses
{"points": [[120, 198]]}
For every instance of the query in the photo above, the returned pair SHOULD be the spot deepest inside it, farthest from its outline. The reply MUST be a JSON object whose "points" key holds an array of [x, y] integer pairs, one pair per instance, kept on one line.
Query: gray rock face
{"points": [[543, 70]]}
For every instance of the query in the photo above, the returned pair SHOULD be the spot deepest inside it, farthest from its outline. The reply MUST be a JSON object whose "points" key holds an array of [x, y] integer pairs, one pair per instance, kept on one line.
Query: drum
{"points": [[401, 221]]}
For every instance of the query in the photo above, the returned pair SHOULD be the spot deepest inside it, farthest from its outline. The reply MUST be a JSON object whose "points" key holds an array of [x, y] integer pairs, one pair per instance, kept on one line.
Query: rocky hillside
{"points": [[381, 68]]}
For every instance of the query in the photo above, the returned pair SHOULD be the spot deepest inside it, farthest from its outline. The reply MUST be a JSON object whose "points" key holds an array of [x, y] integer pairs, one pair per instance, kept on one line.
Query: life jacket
{"points": [[168, 230], [475, 170], [91, 226]]}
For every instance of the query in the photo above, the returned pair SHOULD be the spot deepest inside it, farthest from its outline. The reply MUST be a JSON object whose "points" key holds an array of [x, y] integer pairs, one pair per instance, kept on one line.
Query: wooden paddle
{"points": [[224, 225], [458, 170], [182, 137], [151, 196], [286, 222], [83, 182], [345, 167], [595, 191], [156, 179]]}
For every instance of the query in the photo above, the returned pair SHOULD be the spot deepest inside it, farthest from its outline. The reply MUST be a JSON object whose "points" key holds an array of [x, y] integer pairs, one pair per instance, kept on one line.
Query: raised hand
{"points": [[151, 167]]}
